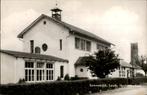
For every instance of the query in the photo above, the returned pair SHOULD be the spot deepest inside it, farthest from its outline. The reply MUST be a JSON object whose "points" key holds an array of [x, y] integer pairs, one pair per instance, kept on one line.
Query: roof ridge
{"points": [[67, 25]]}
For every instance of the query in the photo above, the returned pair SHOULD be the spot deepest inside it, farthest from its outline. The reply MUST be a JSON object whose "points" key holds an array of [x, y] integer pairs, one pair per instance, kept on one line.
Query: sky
{"points": [[120, 22]]}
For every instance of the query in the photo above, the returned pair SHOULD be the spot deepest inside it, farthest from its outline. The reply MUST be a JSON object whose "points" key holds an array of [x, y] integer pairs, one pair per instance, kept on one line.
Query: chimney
{"points": [[56, 13]]}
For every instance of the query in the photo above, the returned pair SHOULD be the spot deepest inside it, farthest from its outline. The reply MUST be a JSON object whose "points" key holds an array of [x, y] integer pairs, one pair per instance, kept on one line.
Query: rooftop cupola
{"points": [[56, 13]]}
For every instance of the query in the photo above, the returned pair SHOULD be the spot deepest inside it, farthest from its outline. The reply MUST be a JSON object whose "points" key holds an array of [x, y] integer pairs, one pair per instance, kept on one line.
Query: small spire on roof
{"points": [[56, 12], [56, 3]]}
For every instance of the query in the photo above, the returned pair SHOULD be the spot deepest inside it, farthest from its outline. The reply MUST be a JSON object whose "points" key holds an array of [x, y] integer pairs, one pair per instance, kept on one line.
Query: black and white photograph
{"points": [[73, 47]]}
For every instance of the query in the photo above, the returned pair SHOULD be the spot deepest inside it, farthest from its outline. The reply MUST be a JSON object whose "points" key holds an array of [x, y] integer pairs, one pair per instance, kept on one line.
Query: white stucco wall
{"points": [[11, 69], [57, 69], [74, 53], [19, 69], [50, 33], [84, 73], [115, 74]]}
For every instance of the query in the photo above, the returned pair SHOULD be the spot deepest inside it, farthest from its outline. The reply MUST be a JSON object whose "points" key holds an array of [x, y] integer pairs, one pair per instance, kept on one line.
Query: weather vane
{"points": [[56, 3]]}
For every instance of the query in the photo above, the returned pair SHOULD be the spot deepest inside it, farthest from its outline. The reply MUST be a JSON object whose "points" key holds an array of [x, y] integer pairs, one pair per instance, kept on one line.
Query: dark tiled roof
{"points": [[124, 64], [71, 28], [82, 61], [32, 56], [135, 66]]}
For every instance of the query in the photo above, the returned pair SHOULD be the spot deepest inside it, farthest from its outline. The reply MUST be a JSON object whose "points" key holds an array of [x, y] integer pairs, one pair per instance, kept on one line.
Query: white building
{"points": [[124, 71], [51, 50]]}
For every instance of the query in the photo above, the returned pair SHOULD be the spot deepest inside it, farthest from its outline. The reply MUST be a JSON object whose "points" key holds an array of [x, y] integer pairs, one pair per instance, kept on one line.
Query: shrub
{"points": [[139, 75], [59, 78], [67, 87], [75, 77], [66, 77], [21, 81]]}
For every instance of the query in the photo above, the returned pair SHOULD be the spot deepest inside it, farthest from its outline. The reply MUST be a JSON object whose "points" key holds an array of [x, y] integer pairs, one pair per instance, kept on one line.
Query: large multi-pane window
{"points": [[49, 71], [38, 71], [82, 44], [29, 71]]}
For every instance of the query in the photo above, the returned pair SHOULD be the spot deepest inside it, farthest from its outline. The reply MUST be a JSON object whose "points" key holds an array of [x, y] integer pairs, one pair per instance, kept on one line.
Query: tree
{"points": [[103, 62], [143, 64]]}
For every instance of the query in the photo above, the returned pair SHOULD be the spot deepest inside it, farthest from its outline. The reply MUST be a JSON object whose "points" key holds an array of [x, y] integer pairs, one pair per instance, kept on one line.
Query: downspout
{"points": [[0, 68], [0, 56]]}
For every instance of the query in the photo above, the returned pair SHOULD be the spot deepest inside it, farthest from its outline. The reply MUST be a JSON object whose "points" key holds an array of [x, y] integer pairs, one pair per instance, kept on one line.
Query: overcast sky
{"points": [[119, 21]]}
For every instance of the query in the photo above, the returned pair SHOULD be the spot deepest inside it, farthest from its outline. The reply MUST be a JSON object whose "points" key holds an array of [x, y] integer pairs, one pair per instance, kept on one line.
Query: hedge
{"points": [[67, 87]]}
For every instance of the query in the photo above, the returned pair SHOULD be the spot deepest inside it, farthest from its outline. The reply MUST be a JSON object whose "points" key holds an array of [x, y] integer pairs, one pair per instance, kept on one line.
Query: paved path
{"points": [[129, 90]]}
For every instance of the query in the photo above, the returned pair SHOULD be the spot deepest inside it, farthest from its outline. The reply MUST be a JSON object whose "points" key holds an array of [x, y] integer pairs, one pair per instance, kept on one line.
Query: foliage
{"points": [[103, 62], [142, 64], [67, 87], [59, 78], [66, 77], [75, 78], [21, 81], [139, 75]]}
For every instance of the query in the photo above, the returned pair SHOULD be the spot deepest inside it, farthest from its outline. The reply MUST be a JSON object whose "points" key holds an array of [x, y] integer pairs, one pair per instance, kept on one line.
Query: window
{"points": [[49, 71], [44, 47], [81, 70], [29, 71], [88, 46], [40, 71], [61, 71], [40, 64], [99, 47], [49, 65], [32, 46], [60, 44], [77, 43], [44, 22], [82, 44], [122, 72], [37, 50]]}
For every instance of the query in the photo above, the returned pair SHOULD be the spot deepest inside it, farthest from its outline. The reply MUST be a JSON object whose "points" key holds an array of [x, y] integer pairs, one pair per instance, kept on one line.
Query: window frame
{"points": [[32, 46], [40, 71], [61, 43], [37, 50], [49, 71], [29, 71], [82, 44], [61, 71]]}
